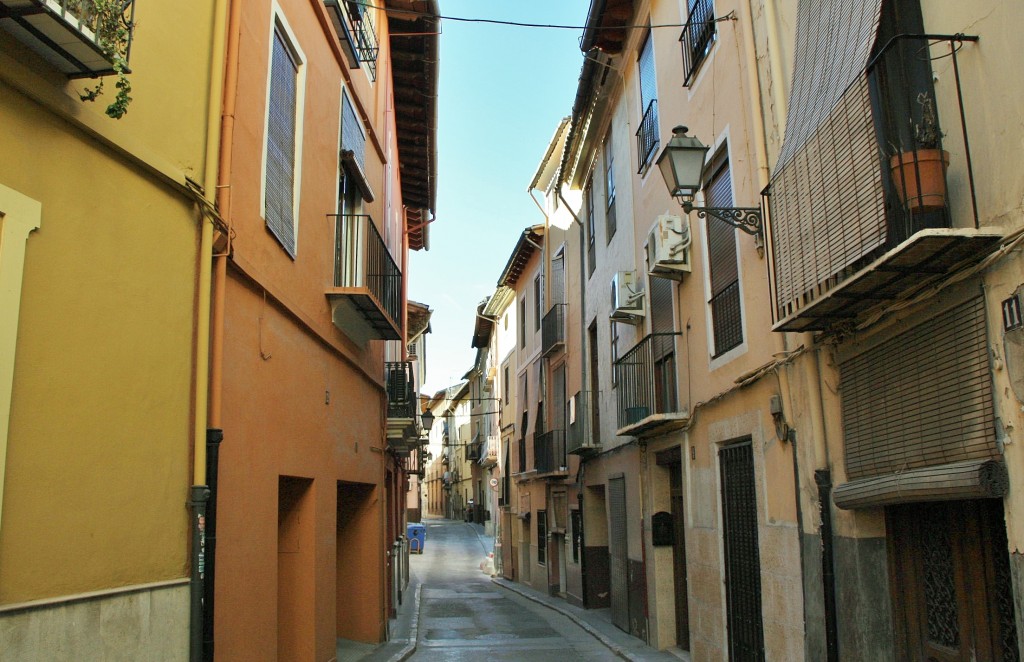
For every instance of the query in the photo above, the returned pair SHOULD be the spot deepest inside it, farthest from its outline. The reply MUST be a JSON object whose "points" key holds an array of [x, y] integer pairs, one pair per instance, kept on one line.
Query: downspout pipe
{"points": [[199, 492]]}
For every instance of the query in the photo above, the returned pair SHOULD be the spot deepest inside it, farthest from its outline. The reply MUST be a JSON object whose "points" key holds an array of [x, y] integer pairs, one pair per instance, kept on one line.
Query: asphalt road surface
{"points": [[463, 616]]}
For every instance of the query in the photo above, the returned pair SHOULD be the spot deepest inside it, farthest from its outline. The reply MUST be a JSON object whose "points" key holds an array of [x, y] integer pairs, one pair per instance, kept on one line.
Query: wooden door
{"points": [[949, 574], [679, 556]]}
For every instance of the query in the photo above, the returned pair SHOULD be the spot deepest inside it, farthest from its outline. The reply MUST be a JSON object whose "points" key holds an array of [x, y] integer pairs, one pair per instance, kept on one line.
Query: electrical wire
{"points": [[521, 24]]}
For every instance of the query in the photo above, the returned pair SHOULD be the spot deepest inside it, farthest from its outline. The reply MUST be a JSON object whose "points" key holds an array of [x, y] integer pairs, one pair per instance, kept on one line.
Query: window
{"points": [[609, 192], [281, 165], [505, 384], [542, 537], [723, 265], [522, 322], [591, 257], [615, 351], [538, 305], [354, 187], [697, 38], [647, 134]]}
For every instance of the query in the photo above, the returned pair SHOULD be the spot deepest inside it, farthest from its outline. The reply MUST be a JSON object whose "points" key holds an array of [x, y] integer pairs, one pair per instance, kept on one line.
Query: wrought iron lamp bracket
{"points": [[748, 219]]}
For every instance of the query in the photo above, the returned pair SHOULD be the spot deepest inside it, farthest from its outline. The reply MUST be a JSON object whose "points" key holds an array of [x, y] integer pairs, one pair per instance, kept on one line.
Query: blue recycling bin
{"points": [[417, 535]]}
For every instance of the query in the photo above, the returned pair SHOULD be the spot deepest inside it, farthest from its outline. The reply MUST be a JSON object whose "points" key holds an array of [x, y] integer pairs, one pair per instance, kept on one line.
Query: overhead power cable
{"points": [[731, 16]]}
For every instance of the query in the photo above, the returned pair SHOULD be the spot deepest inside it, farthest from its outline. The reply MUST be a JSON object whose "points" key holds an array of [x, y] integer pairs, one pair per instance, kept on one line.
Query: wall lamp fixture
{"points": [[682, 165], [427, 419]]}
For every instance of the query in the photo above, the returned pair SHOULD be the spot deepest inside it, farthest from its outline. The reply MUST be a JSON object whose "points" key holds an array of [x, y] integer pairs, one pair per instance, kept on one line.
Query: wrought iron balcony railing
{"points": [[473, 451], [646, 386], [579, 437], [647, 136], [549, 452], [367, 294], [552, 329], [697, 37], [78, 37]]}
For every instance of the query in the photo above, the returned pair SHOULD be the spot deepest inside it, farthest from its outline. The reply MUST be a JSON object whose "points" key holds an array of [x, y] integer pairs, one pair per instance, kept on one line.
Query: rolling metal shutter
{"points": [[279, 199], [726, 315], [922, 398], [617, 547]]}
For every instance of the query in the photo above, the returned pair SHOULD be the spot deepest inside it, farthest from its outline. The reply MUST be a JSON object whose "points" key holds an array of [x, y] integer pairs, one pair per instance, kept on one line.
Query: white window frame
{"points": [[279, 23]]}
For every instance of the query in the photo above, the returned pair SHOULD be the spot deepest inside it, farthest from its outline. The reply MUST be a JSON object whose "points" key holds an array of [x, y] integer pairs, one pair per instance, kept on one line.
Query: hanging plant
{"points": [[106, 19]]}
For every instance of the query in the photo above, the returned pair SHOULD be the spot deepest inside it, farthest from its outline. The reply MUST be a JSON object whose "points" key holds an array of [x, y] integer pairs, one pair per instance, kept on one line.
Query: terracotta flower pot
{"points": [[927, 167]]}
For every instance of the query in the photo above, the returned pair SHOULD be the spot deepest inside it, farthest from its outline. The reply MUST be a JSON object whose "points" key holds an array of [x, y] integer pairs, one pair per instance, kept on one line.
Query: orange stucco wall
{"points": [[301, 400]]}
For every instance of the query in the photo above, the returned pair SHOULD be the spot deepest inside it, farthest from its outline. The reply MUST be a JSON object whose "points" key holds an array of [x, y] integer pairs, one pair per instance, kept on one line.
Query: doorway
{"points": [[950, 581], [296, 562]]}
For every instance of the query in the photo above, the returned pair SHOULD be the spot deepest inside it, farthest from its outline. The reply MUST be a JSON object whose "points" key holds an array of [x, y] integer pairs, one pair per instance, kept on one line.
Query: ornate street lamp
{"points": [[682, 165]]}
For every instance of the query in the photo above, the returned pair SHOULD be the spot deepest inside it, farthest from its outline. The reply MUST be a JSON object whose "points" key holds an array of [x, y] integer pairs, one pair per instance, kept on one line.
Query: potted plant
{"points": [[920, 174]]}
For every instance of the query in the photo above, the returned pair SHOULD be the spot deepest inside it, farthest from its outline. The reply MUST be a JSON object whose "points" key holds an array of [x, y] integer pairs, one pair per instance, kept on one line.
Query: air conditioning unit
{"points": [[668, 247], [627, 298]]}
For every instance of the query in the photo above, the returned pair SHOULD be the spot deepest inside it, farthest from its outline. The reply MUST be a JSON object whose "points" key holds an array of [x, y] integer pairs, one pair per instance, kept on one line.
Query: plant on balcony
{"points": [[920, 173], [106, 19]]}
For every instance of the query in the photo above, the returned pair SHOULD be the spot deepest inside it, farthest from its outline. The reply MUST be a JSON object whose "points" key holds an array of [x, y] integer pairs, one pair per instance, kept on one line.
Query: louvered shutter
{"points": [[352, 137], [829, 162], [727, 323], [921, 398], [558, 279], [280, 175]]}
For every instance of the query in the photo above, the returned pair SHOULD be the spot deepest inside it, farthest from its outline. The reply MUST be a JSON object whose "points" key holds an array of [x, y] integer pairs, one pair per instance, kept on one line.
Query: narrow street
{"points": [[465, 616]]}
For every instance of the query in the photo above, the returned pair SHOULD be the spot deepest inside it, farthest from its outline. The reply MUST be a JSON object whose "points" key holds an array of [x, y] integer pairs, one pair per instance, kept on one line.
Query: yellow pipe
{"points": [[775, 65], [206, 243]]}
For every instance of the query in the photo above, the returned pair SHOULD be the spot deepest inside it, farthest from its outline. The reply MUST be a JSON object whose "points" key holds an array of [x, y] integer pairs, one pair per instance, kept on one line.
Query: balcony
{"points": [[646, 388], [579, 437], [473, 450], [489, 456], [697, 37], [552, 330], [402, 421], [549, 454], [74, 36], [366, 300], [889, 208], [647, 135]]}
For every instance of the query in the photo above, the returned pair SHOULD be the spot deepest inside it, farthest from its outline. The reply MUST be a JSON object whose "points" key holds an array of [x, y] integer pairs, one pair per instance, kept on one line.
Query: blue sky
{"points": [[503, 90]]}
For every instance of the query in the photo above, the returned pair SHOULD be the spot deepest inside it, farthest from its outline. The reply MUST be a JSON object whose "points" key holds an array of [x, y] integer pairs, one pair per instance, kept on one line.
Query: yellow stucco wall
{"points": [[98, 450]]}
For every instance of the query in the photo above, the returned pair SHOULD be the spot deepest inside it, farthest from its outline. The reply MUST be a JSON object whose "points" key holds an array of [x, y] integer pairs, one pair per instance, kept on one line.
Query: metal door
{"points": [[617, 546], [679, 556], [742, 559]]}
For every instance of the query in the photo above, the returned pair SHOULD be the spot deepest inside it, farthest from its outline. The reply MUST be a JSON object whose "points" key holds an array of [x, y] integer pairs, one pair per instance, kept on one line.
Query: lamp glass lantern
{"points": [[427, 419], [682, 164]]}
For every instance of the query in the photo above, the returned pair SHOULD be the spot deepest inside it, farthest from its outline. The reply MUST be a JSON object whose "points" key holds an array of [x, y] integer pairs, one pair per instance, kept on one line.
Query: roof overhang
{"points": [[529, 241], [414, 33], [607, 25]]}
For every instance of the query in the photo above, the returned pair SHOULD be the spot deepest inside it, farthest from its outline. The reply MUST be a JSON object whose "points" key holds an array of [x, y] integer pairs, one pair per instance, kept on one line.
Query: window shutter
{"points": [[280, 174], [726, 313], [352, 137], [922, 398]]}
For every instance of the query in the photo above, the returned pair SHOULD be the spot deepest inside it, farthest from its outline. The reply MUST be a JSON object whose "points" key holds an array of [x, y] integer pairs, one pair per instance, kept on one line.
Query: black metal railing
{"points": [[647, 135], [646, 379], [552, 329], [361, 259], [727, 318], [549, 452], [697, 37], [906, 106], [365, 35], [89, 37], [400, 379], [473, 451], [578, 435]]}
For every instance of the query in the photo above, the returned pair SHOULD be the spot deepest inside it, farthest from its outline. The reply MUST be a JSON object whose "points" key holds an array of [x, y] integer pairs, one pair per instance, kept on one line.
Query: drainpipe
{"points": [[199, 492], [823, 479]]}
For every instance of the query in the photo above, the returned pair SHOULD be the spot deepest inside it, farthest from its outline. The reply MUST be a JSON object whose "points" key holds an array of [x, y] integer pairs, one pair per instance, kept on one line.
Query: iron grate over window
{"points": [[727, 319]]}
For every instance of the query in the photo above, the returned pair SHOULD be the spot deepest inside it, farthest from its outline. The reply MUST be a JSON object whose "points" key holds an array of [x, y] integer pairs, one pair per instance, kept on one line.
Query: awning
{"points": [[974, 479], [834, 39]]}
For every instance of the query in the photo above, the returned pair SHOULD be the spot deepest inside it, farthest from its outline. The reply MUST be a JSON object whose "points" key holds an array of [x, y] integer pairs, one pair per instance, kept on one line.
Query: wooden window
{"points": [[647, 133], [609, 191], [522, 322], [538, 302], [591, 257], [282, 112]]}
